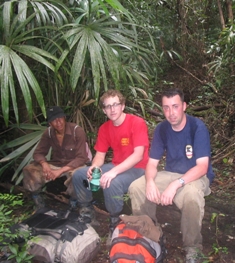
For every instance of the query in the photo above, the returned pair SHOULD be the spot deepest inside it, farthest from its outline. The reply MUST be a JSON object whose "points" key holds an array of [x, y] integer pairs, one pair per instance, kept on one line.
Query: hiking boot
{"points": [[38, 201], [193, 255], [87, 215], [73, 204], [87, 211], [162, 242], [113, 223]]}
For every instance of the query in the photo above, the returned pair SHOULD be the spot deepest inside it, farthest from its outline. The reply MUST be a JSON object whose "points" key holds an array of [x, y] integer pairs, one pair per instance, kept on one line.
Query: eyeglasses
{"points": [[109, 107]]}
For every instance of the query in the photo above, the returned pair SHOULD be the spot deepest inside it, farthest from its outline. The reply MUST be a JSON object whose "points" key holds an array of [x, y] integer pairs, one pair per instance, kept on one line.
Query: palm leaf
{"points": [[21, 149], [78, 60], [11, 61], [47, 12], [7, 10], [5, 81], [22, 10], [37, 54], [112, 60], [28, 144], [96, 61], [28, 158], [29, 126], [22, 140]]}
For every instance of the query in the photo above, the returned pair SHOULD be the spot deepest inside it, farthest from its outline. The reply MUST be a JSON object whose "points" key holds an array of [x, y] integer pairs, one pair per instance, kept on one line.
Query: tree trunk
{"points": [[221, 14], [230, 10]]}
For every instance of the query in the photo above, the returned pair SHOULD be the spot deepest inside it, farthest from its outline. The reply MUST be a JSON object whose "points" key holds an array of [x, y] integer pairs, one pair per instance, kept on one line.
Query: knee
{"points": [[26, 174], [76, 177], [194, 195], [26, 170], [193, 199], [134, 187], [131, 188], [79, 175]]}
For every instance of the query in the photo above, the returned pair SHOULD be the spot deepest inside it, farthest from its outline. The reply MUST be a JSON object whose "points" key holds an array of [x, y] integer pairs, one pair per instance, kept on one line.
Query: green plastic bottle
{"points": [[95, 181]]}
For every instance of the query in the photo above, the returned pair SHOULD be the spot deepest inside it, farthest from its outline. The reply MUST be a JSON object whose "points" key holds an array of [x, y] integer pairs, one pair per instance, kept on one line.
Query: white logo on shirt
{"points": [[189, 151]]}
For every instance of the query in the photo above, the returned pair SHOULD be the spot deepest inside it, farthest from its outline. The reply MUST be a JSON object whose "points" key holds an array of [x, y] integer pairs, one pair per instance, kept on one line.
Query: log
{"points": [[16, 189]]}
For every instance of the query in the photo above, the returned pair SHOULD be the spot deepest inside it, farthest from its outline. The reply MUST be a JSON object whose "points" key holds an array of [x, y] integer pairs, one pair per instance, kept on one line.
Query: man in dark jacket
{"points": [[69, 152]]}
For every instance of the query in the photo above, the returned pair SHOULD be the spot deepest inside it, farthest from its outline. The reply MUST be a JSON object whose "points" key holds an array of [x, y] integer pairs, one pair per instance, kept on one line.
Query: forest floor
{"points": [[218, 229]]}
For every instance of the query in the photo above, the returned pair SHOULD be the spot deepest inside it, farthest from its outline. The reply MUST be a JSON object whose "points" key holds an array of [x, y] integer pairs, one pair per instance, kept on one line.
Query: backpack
{"points": [[129, 246], [57, 238]]}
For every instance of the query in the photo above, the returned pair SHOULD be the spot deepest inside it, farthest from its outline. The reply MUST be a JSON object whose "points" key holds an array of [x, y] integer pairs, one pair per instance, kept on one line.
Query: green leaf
{"points": [[225, 160], [28, 158], [21, 149], [13, 248], [23, 139], [78, 60]]}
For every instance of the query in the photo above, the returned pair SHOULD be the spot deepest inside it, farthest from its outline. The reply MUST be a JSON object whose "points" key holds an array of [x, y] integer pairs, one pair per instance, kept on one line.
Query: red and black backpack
{"points": [[129, 246]]}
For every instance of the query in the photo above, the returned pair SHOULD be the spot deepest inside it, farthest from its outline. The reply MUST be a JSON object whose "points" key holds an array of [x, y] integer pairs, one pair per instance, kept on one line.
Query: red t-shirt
{"points": [[123, 139]]}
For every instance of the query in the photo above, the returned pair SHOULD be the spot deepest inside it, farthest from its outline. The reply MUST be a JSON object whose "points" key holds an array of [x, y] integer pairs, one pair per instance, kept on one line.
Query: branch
{"points": [[19, 189], [218, 157], [205, 107], [202, 82]]}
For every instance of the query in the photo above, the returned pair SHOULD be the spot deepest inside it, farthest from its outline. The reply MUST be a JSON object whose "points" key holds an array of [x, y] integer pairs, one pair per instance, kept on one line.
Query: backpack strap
{"points": [[49, 131], [89, 154], [74, 131], [58, 254]]}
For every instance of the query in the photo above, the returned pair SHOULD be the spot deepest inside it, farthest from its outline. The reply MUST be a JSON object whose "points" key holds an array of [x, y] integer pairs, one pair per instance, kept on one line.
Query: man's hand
{"points": [[169, 193], [46, 171], [51, 174], [55, 174], [106, 179], [89, 172], [152, 192]]}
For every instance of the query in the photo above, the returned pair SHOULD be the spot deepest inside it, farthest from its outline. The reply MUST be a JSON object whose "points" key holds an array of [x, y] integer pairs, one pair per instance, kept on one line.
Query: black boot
{"points": [[87, 215], [113, 222], [38, 200], [73, 204]]}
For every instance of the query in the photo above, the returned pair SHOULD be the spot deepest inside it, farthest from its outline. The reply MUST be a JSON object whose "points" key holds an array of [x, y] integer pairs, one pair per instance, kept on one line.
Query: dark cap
{"points": [[54, 112]]}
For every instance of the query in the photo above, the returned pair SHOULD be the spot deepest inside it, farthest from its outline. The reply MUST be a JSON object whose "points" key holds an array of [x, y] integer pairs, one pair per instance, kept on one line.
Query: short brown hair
{"points": [[169, 93], [112, 93]]}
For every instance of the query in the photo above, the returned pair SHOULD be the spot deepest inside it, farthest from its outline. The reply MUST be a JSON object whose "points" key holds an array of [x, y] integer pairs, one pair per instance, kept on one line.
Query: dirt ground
{"points": [[218, 228]]}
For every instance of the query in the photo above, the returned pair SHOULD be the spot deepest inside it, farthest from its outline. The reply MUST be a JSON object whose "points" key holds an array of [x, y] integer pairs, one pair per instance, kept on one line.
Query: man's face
{"points": [[58, 124], [173, 109], [113, 108]]}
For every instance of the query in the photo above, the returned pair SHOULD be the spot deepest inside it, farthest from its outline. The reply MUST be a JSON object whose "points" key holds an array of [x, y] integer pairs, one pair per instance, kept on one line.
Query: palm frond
{"points": [[21, 149]]}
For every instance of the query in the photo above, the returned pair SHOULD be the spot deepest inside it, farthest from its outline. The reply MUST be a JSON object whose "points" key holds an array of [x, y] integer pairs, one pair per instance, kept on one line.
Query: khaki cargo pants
{"points": [[34, 180], [189, 199]]}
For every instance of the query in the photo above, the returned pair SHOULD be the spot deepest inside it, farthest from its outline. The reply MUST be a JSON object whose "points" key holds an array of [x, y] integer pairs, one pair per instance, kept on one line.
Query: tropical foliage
{"points": [[8, 238], [46, 44], [67, 53], [81, 49], [24, 28]]}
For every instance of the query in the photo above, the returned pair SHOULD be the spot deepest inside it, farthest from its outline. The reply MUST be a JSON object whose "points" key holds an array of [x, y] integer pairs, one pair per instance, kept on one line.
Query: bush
{"points": [[8, 246]]}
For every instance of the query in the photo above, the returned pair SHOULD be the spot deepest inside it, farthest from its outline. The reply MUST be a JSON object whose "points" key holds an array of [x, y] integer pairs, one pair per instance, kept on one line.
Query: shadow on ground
{"points": [[218, 229]]}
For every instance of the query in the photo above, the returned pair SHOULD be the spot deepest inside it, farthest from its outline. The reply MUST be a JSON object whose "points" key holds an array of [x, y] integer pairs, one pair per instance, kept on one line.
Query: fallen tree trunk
{"points": [[16, 189]]}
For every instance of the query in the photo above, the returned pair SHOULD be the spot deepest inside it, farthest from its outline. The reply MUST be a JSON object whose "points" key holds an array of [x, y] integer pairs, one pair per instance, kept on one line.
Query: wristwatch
{"points": [[181, 180]]}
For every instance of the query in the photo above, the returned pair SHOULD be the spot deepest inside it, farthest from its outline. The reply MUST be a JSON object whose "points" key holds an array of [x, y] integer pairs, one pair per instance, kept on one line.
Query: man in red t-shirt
{"points": [[127, 136]]}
